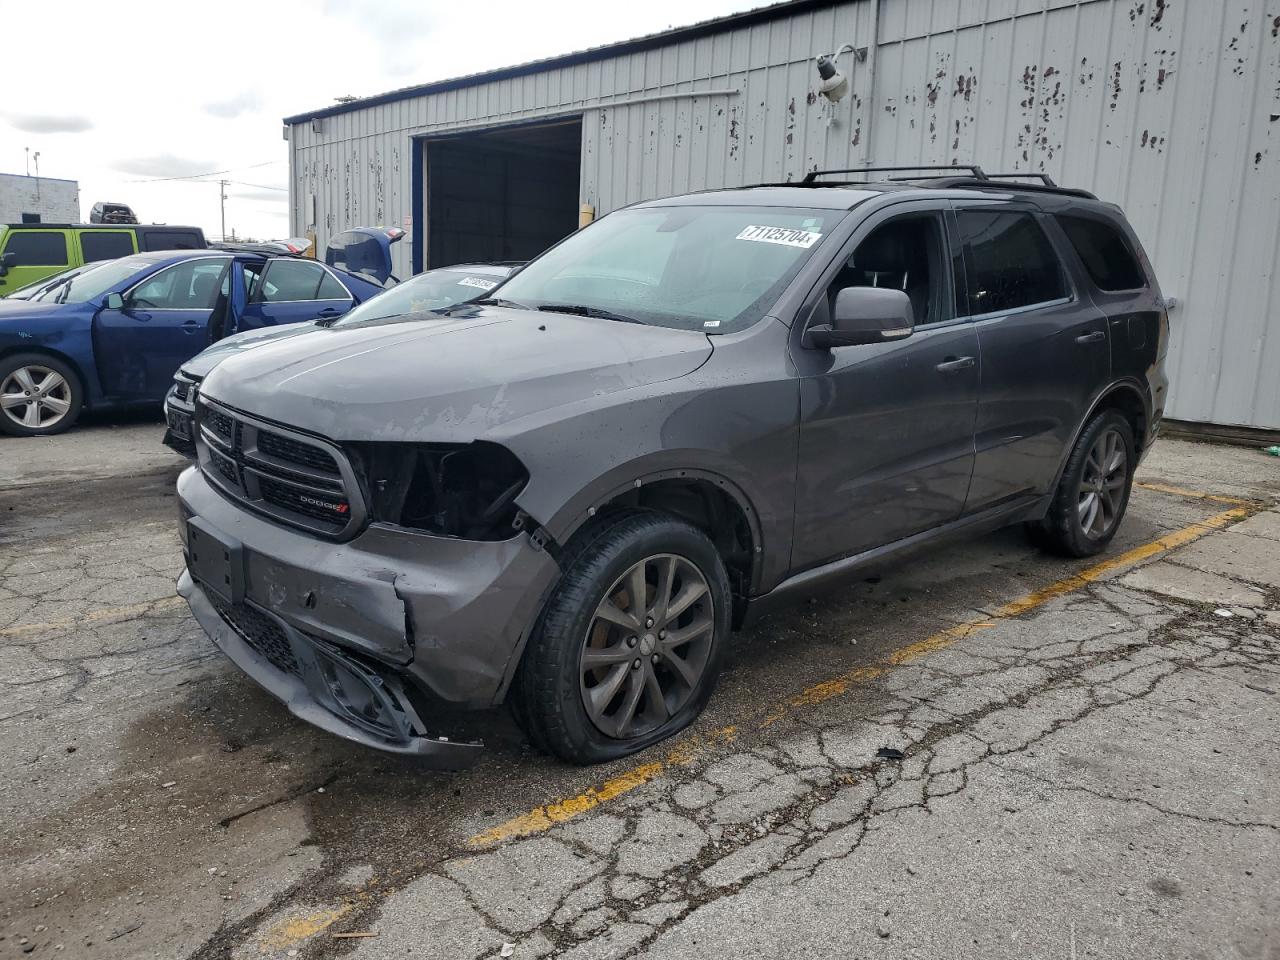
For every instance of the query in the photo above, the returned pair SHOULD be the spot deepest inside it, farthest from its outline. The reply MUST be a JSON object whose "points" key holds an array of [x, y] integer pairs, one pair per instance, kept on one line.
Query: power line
{"points": [[211, 173]]}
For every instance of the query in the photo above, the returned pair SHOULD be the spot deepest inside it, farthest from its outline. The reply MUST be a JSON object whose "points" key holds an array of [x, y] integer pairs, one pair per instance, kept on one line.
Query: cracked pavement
{"points": [[1096, 773]]}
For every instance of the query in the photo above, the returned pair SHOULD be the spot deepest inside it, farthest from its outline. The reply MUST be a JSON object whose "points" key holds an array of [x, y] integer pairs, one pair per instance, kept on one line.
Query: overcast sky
{"points": [[121, 95]]}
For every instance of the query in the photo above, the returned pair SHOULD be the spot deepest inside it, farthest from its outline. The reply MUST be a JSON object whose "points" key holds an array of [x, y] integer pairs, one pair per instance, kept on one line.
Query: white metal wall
{"points": [[1169, 107], [57, 201]]}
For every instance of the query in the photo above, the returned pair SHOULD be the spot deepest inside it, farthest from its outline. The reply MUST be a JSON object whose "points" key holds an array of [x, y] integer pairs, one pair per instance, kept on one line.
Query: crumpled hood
{"points": [[447, 379], [198, 367]]}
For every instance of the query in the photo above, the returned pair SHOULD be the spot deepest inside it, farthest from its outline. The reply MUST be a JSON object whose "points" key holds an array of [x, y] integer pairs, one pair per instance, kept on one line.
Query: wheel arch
{"points": [[1127, 398], [704, 498]]}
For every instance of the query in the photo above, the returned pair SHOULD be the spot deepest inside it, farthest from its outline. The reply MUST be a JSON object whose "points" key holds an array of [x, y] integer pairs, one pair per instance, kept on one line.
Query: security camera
{"points": [[834, 84]]}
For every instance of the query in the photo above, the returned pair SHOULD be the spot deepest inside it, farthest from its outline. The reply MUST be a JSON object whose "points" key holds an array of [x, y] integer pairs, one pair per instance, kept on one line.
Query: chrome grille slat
{"points": [[294, 478]]}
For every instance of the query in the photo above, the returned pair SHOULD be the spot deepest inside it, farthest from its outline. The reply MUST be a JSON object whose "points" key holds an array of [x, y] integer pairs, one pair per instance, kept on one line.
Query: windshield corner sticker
{"points": [[477, 282], [787, 236]]}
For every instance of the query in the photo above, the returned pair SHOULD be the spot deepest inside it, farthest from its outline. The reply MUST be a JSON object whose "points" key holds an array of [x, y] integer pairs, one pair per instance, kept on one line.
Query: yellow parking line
{"points": [[1190, 494], [96, 617], [545, 817]]}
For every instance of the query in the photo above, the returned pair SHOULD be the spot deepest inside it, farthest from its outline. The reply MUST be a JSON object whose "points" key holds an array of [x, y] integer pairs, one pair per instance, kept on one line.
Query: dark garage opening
{"points": [[503, 194]]}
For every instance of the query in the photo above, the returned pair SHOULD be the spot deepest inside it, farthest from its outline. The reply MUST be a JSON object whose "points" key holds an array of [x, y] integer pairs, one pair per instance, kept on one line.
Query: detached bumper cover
{"points": [[356, 637], [331, 691]]}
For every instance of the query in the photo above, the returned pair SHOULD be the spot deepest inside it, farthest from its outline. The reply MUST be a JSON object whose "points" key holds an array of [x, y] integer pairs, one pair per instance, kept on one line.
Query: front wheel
{"points": [[39, 395], [1094, 490], [629, 647]]}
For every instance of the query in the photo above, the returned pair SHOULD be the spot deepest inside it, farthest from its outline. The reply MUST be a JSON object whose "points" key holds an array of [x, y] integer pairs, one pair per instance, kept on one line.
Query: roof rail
{"points": [[975, 171], [1044, 177], [986, 183]]}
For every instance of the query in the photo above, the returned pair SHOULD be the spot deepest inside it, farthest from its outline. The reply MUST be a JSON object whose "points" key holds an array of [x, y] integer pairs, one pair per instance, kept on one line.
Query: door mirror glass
{"points": [[113, 301], [863, 315]]}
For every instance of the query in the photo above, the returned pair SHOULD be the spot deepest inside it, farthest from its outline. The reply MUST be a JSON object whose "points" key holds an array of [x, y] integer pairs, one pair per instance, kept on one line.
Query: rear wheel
{"points": [[39, 395], [1094, 490], [628, 650]]}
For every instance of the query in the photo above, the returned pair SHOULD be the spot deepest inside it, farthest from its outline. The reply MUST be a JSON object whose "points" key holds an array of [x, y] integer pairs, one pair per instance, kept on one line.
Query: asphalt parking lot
{"points": [[983, 752]]}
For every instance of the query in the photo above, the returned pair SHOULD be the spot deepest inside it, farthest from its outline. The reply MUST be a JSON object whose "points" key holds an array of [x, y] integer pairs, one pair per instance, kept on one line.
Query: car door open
{"points": [[155, 327]]}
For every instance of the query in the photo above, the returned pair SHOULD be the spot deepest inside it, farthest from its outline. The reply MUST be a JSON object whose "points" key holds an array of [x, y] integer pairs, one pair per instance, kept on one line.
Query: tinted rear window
{"points": [[105, 245], [1009, 261], [1105, 253], [31, 248], [171, 240]]}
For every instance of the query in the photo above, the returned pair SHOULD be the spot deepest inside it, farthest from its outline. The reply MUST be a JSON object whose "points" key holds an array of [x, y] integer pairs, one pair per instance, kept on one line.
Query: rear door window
{"points": [[37, 248], [1104, 252], [105, 244], [288, 280], [1009, 261]]}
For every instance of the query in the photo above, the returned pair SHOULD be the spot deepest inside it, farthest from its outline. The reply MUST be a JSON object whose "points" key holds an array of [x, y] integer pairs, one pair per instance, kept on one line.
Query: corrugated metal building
{"points": [[1169, 107]]}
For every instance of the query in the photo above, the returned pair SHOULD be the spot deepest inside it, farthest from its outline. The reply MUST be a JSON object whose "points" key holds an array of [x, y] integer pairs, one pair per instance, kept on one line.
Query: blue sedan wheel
{"points": [[38, 395]]}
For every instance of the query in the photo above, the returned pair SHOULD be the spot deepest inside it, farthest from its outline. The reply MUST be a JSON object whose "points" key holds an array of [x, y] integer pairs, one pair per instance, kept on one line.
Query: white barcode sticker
{"points": [[479, 282], [787, 236]]}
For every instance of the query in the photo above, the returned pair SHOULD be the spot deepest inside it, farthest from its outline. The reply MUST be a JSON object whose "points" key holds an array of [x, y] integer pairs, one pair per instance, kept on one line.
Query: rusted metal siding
{"points": [[1169, 107]]}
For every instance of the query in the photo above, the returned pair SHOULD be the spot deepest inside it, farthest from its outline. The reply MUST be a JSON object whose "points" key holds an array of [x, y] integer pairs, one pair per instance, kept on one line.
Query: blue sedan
{"points": [[113, 334]]}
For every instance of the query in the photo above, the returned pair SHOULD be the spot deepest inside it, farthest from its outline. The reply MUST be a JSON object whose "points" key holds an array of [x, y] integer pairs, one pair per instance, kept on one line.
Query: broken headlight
{"points": [[452, 490]]}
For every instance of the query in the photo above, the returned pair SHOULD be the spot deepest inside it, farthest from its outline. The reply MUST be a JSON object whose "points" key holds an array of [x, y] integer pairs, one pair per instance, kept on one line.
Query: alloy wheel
{"points": [[647, 646], [35, 397], [1102, 485]]}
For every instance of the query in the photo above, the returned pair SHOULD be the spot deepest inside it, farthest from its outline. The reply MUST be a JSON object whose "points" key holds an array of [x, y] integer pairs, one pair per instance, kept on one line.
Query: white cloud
{"points": [[48, 123]]}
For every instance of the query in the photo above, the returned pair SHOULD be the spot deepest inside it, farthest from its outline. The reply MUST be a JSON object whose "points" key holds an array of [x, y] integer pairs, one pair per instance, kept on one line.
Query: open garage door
{"points": [[504, 194]]}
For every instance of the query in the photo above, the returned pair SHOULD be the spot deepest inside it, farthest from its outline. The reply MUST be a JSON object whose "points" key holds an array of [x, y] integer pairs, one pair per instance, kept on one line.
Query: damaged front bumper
{"points": [[365, 639]]}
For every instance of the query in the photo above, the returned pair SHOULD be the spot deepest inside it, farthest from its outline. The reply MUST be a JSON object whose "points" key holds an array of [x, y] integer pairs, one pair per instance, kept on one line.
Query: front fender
{"points": [[69, 340], [740, 436]]}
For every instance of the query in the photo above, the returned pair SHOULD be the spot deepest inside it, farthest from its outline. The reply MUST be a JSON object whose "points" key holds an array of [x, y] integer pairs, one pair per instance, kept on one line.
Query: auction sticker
{"points": [[477, 282], [787, 236]]}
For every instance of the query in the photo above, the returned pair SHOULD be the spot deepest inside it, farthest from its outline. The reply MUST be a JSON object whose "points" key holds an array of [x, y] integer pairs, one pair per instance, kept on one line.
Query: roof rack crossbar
{"points": [[974, 170], [1043, 177]]}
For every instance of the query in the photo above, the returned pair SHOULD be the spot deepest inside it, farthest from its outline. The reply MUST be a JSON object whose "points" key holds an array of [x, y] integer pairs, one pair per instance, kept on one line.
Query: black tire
{"points": [[1063, 531], [550, 685], [69, 391]]}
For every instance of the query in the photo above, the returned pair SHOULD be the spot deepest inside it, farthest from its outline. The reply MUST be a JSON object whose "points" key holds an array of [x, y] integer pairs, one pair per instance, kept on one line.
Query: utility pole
{"points": [[36, 157], [28, 149], [222, 190]]}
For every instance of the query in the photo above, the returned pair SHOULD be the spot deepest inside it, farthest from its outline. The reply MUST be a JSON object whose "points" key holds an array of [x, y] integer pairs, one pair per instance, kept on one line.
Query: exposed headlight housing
{"points": [[466, 491]]}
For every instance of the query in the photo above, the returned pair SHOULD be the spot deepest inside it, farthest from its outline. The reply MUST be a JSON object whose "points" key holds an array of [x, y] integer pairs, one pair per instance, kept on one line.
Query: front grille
{"points": [[289, 476], [259, 631], [309, 503], [285, 448]]}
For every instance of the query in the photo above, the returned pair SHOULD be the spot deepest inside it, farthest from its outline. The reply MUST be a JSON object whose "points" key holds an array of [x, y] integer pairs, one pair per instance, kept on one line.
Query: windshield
{"points": [[434, 290], [93, 282], [714, 269]]}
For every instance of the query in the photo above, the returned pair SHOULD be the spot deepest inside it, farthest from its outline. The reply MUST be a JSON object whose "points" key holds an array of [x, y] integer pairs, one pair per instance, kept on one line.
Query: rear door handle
{"points": [[1094, 337], [952, 364]]}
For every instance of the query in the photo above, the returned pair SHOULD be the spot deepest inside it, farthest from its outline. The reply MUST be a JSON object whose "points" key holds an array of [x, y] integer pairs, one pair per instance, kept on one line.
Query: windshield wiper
{"points": [[494, 302], [580, 310]]}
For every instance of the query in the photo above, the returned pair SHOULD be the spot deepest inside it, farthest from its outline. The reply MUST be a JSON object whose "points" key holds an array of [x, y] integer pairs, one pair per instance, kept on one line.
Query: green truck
{"points": [[32, 251]]}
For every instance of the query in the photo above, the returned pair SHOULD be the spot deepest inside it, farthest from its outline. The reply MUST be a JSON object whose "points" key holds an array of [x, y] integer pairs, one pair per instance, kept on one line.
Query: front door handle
{"points": [[329, 312], [1095, 337], [952, 364]]}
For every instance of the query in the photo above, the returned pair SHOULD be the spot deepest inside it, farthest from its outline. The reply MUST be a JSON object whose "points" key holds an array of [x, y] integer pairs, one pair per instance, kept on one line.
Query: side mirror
{"points": [[113, 301], [6, 261], [863, 315]]}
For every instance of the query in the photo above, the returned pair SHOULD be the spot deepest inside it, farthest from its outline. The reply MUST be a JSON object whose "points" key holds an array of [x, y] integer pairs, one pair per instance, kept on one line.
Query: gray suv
{"points": [[566, 495]]}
